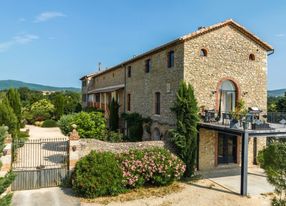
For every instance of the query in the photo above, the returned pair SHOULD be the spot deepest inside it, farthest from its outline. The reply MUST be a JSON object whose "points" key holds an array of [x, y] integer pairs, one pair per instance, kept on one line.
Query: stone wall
{"points": [[207, 149], [87, 145], [227, 58], [143, 86]]}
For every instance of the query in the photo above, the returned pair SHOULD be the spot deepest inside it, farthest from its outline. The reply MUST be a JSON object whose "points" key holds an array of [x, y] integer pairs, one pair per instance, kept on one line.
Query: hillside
{"points": [[277, 92], [6, 84]]}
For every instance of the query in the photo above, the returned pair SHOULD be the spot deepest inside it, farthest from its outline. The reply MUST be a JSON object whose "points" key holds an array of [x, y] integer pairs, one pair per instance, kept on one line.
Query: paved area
{"points": [[45, 197], [230, 179], [44, 133]]}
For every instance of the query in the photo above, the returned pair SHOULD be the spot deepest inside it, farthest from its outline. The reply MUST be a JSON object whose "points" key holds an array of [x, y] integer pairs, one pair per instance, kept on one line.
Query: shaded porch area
{"points": [[229, 178], [226, 155]]}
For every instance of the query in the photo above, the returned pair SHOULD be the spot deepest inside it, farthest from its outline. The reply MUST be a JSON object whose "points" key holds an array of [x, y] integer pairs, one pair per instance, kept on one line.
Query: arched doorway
{"points": [[156, 134], [228, 96]]}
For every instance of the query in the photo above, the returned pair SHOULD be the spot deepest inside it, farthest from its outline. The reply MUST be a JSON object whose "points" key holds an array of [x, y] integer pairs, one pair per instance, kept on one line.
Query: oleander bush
{"points": [[49, 123], [97, 174], [101, 174], [155, 166]]}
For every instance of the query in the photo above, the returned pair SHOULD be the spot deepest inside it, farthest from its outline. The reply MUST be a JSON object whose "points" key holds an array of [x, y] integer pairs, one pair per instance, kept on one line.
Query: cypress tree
{"points": [[184, 137], [15, 103], [113, 115], [8, 117]]}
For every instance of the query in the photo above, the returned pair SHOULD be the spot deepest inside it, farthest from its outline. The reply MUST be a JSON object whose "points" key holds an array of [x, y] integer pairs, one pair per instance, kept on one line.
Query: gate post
{"points": [[74, 149], [6, 159]]}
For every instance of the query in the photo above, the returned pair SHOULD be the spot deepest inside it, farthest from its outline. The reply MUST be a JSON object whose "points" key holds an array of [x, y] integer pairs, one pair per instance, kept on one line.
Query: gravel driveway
{"points": [[45, 197], [44, 133]]}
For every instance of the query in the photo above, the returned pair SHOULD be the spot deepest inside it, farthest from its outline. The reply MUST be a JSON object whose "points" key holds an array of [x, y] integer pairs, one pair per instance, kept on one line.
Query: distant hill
{"points": [[277, 92], [7, 84]]}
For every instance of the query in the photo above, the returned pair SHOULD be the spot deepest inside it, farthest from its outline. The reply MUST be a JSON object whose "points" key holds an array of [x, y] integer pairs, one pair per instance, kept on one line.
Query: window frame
{"points": [[203, 52], [129, 73], [171, 59], [157, 103], [147, 65]]}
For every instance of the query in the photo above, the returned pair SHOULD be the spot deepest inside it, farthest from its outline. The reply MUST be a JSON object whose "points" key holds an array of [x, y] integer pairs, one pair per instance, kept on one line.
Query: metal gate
{"points": [[39, 163]]}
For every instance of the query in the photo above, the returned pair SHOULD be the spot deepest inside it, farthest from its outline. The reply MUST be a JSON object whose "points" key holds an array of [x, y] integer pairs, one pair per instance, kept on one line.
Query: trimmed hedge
{"points": [[97, 174], [49, 123]]}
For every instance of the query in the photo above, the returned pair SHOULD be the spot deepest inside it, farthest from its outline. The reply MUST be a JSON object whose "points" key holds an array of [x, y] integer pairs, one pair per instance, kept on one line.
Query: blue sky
{"points": [[55, 42]]}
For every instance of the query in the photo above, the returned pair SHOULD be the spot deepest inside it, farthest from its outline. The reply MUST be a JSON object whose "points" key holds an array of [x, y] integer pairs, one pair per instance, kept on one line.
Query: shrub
{"points": [[49, 123], [42, 110], [89, 125], [273, 161], [8, 117], [113, 136], [134, 126], [184, 137], [97, 174], [150, 166], [65, 123]]}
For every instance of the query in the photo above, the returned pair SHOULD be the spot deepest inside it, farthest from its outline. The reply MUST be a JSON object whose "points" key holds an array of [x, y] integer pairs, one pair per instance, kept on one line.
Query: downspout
{"points": [[124, 101]]}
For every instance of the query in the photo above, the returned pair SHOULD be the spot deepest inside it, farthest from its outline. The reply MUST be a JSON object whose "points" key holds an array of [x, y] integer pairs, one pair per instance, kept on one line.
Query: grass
{"points": [[139, 193]]}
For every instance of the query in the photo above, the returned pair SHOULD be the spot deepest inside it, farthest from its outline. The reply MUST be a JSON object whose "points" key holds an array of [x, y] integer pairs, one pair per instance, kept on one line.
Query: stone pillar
{"points": [[6, 159], [74, 149]]}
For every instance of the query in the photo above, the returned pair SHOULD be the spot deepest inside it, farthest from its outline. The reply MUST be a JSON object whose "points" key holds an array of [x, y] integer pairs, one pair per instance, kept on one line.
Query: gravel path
{"points": [[44, 133], [201, 193], [45, 197]]}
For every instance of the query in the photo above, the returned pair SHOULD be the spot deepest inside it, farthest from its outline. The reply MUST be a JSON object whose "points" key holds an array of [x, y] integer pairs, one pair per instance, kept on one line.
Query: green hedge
{"points": [[49, 123], [97, 174], [89, 125]]}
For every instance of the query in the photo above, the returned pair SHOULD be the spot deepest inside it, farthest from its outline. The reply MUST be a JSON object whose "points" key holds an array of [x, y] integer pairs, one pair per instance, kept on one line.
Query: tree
{"points": [[15, 102], [42, 109], [58, 102], [281, 104], [184, 137], [114, 115], [8, 117], [273, 161]]}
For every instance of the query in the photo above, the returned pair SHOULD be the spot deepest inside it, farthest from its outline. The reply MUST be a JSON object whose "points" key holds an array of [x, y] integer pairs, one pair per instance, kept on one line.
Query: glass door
{"points": [[227, 149]]}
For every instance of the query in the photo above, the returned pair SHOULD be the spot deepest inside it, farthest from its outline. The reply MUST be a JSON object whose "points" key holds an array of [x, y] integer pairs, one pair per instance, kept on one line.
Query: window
{"points": [[171, 59], [83, 83], [97, 98], [251, 57], [157, 103], [147, 65], [203, 53], [129, 71], [128, 102]]}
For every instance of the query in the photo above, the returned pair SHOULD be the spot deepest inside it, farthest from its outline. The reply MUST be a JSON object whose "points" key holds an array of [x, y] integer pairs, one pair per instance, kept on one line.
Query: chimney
{"points": [[99, 64]]}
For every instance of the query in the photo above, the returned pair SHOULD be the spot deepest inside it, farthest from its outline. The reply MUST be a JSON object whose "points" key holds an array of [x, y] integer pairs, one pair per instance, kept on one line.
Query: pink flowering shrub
{"points": [[155, 166]]}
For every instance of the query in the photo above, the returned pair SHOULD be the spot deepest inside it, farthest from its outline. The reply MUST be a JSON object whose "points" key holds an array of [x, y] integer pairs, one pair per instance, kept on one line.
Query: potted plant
{"points": [[238, 114]]}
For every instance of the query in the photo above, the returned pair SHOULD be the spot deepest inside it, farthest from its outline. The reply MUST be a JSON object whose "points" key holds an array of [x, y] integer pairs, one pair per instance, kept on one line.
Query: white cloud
{"points": [[17, 40], [46, 16], [280, 35]]}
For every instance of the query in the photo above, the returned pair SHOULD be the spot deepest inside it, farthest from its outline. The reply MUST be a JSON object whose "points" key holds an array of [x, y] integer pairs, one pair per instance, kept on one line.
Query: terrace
{"points": [[251, 124]]}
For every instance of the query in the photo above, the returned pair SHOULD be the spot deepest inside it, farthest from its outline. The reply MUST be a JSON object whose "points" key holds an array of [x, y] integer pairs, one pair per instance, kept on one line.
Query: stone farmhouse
{"points": [[224, 63]]}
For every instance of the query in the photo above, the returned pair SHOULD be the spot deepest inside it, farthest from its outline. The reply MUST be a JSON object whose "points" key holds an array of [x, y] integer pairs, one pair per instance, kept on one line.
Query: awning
{"points": [[107, 89]]}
